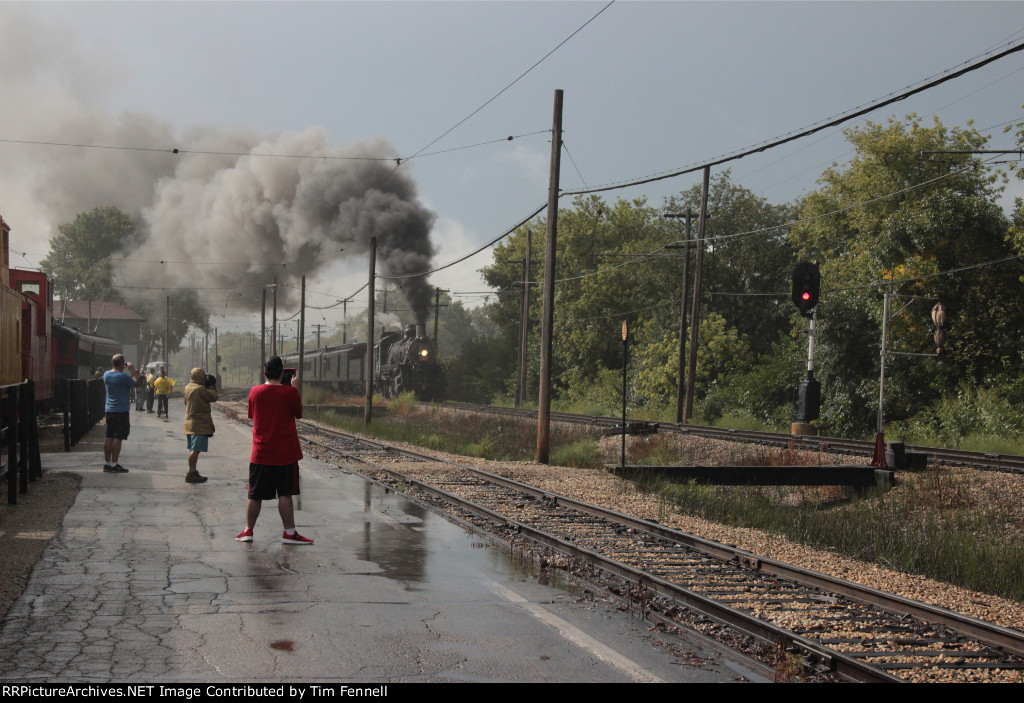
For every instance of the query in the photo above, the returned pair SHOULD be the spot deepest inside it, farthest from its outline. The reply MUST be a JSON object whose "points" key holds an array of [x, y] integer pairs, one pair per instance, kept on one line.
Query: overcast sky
{"points": [[649, 87]]}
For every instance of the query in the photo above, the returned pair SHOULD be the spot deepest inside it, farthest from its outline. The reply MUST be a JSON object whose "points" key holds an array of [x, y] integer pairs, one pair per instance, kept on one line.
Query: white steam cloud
{"points": [[227, 210]]}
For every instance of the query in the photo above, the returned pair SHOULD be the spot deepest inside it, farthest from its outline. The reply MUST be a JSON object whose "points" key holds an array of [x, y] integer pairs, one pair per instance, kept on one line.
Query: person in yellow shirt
{"points": [[163, 386], [150, 390]]}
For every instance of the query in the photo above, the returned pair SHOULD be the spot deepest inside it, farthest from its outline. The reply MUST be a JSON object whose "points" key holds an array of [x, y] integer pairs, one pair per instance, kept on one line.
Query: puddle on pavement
{"points": [[410, 543]]}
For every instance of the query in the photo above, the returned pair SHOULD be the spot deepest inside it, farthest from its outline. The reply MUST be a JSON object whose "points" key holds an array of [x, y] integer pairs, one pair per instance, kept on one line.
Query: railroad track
{"points": [[1010, 463], [827, 624]]}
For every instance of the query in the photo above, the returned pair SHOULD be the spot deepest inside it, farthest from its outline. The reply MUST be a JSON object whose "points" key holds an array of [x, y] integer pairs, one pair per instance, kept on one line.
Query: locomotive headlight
{"points": [[424, 353]]}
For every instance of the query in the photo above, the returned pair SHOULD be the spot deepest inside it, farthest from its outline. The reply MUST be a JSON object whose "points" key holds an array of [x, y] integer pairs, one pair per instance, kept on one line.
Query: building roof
{"points": [[101, 310]]}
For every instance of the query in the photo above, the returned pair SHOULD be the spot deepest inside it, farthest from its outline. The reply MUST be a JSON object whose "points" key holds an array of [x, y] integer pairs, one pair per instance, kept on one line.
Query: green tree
{"points": [[895, 220], [748, 258], [614, 265], [611, 266], [79, 261], [79, 265], [723, 353]]}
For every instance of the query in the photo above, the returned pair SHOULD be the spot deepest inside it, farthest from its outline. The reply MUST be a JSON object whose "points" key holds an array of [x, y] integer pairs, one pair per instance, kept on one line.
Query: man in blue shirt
{"points": [[118, 406]]}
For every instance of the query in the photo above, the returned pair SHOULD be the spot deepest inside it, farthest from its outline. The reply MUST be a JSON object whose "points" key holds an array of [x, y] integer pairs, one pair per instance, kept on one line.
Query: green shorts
{"points": [[197, 442]]}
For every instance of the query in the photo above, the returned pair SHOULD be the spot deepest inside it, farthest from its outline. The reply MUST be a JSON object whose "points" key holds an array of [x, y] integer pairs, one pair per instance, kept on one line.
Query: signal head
{"points": [[806, 286]]}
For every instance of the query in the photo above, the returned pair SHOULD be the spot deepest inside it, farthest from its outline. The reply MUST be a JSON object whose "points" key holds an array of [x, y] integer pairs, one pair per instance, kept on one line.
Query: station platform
{"points": [[146, 583]]}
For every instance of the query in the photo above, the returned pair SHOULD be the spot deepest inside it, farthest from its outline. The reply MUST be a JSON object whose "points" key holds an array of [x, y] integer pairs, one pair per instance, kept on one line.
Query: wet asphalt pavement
{"points": [[146, 583]]}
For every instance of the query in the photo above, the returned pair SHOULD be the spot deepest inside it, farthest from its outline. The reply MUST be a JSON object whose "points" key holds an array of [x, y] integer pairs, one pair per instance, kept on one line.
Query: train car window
{"points": [[28, 287]]}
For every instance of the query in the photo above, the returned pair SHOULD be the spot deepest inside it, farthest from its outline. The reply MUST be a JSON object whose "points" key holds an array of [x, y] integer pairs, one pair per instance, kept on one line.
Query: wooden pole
{"points": [[548, 315], [273, 324], [681, 366], [695, 310], [302, 334], [368, 407], [524, 322]]}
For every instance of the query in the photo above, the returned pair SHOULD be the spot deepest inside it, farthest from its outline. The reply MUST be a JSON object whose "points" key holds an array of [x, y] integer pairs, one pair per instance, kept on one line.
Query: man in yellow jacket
{"points": [[199, 393], [163, 385]]}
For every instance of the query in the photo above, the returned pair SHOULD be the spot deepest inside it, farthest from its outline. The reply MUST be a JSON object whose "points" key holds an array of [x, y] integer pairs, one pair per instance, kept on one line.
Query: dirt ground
{"points": [[27, 527]]}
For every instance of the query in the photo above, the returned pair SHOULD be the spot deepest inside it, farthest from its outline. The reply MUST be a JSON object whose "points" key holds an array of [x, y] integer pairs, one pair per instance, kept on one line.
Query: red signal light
{"points": [[806, 286]]}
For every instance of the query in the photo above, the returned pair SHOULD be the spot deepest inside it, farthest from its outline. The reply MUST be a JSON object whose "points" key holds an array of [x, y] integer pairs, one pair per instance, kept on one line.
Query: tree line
{"points": [[895, 218]]}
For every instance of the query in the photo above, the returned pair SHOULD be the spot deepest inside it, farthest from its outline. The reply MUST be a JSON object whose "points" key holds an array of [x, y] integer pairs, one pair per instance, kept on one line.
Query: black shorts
{"points": [[267, 482], [118, 425]]}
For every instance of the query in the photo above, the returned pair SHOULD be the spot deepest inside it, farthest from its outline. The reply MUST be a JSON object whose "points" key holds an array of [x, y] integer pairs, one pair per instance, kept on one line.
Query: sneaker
{"points": [[295, 539], [245, 535], [195, 478], [115, 469]]}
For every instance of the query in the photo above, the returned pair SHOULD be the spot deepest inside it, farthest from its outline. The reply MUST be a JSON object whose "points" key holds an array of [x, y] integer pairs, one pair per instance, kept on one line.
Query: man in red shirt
{"points": [[274, 464]]}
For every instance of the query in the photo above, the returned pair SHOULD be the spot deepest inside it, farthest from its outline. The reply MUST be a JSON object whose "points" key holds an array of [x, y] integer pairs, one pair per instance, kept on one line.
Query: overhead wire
{"points": [[866, 108], [516, 80], [891, 98]]}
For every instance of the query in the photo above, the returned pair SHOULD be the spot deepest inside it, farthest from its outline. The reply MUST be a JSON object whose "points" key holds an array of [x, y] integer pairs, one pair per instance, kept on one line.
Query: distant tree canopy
{"points": [[624, 261], [896, 220], [80, 262], [891, 220]]}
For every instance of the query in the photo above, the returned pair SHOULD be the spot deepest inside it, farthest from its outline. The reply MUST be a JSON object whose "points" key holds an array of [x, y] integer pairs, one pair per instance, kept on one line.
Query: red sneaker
{"points": [[245, 535], [295, 539]]}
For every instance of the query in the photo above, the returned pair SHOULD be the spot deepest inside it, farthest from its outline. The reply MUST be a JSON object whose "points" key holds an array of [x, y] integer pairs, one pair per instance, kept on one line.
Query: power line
{"points": [[949, 75], [518, 78]]}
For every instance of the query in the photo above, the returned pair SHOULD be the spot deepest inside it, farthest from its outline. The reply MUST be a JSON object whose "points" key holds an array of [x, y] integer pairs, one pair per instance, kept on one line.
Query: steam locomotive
{"points": [[402, 361]]}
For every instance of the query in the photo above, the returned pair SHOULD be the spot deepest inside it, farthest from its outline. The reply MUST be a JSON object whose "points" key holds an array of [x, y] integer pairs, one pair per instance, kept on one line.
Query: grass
{"points": [[499, 438], [938, 523]]}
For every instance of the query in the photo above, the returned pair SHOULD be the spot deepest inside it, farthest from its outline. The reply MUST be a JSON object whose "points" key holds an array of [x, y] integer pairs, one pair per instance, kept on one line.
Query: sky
{"points": [[649, 87]]}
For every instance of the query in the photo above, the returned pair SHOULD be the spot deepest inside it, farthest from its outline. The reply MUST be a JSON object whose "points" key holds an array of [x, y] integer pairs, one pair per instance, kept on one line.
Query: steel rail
{"points": [[987, 633], [846, 666], [1000, 638]]}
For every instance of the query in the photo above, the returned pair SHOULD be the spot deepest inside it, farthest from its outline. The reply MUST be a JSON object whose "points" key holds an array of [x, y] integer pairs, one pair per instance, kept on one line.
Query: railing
{"points": [[21, 435], [83, 408]]}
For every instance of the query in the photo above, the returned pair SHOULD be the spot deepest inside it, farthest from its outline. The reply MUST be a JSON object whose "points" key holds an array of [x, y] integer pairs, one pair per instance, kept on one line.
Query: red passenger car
{"points": [[36, 337]]}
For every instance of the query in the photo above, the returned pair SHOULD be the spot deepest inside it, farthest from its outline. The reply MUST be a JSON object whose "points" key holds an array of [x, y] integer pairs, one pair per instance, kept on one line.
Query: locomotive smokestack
{"points": [[421, 330]]}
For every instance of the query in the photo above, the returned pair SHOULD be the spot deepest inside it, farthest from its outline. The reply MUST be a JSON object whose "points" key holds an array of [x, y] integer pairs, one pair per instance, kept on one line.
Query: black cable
{"points": [[523, 74], [845, 117]]}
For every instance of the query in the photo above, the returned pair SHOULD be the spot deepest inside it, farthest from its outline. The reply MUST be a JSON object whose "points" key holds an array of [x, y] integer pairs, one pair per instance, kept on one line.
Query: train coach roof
{"points": [[333, 349], [108, 310], [60, 330]]}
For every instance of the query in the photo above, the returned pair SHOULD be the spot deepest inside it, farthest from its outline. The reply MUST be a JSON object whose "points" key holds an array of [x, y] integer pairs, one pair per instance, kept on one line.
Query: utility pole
{"points": [[263, 329], [524, 321], [344, 323], [437, 309], [695, 311], [548, 314], [681, 367], [302, 334], [273, 328], [368, 406], [318, 327], [167, 334]]}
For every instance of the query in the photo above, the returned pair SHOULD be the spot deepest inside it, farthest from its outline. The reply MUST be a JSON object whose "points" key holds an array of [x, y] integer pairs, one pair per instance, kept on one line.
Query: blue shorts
{"points": [[197, 442]]}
